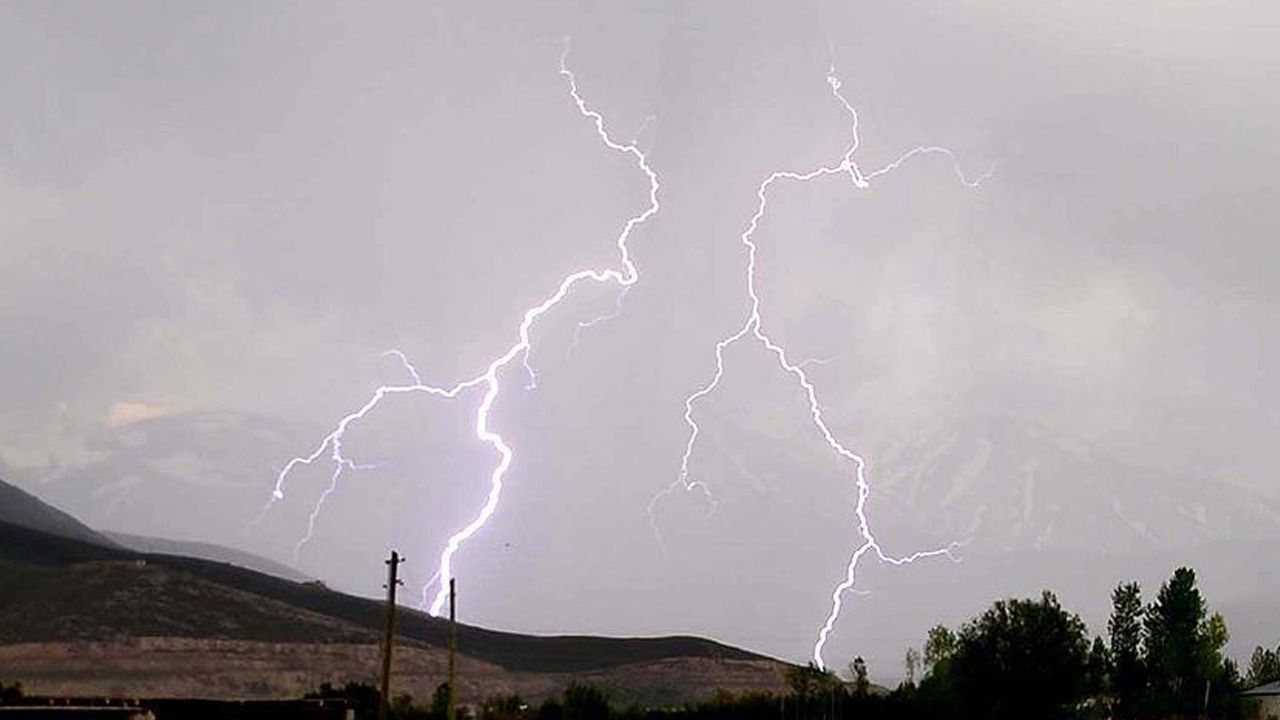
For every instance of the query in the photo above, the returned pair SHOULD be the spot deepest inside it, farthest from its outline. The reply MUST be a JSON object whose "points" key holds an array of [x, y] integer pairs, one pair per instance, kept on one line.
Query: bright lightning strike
{"points": [[752, 329], [624, 276]]}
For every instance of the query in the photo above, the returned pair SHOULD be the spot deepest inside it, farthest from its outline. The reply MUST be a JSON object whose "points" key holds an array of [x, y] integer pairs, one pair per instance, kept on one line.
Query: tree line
{"points": [[1032, 658], [1021, 659]]}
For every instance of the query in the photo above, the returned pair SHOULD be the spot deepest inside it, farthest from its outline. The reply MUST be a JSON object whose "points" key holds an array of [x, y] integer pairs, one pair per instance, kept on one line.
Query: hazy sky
{"points": [[239, 208]]}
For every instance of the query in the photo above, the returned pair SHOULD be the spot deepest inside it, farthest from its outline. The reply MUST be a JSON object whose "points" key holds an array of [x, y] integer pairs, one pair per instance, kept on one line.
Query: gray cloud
{"points": [[226, 209]]}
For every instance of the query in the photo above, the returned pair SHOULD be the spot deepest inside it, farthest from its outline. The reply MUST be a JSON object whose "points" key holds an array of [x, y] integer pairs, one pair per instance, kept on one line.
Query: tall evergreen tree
{"points": [[1183, 647], [911, 664], [1128, 675], [1099, 668]]}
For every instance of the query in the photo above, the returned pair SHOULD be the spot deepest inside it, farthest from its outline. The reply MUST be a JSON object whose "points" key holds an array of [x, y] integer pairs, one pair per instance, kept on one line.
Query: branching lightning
{"points": [[623, 276], [752, 329]]}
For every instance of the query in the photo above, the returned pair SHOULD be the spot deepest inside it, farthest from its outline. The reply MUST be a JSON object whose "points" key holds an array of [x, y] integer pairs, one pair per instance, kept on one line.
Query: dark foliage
{"points": [[1128, 671], [1264, 666], [10, 694], [364, 698], [585, 702], [1021, 659]]}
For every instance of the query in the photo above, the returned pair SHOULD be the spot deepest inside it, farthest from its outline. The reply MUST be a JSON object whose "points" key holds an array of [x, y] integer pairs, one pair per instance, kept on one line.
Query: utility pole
{"points": [[388, 635], [453, 646]]}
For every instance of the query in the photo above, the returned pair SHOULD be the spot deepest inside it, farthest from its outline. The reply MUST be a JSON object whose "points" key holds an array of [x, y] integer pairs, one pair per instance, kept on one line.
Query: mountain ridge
{"points": [[515, 651], [206, 551], [22, 508]]}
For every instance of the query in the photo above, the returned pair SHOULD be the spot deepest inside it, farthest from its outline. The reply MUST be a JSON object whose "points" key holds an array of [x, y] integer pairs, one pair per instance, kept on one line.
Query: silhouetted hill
{"points": [[22, 545], [82, 618], [22, 508], [55, 588], [70, 591]]}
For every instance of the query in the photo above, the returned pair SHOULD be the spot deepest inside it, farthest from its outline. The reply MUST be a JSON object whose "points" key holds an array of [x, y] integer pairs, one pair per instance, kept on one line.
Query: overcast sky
{"points": [[239, 208]]}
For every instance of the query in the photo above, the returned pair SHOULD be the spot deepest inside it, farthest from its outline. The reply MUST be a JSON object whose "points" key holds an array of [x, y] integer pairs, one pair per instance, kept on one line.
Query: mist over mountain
{"points": [[1032, 508], [197, 477], [1007, 484]]}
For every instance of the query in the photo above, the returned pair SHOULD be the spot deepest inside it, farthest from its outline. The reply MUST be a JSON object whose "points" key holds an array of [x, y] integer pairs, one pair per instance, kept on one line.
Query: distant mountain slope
{"points": [[1012, 484], [1035, 509], [207, 551], [126, 599], [144, 476], [21, 508], [167, 625], [54, 588]]}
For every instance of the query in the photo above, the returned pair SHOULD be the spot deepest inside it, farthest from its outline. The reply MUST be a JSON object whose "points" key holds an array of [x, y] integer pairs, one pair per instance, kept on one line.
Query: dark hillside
{"points": [[22, 508], [23, 545], [509, 650], [56, 588]]}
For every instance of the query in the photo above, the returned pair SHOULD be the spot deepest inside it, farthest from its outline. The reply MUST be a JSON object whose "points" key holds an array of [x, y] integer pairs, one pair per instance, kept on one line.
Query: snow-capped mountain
{"points": [[1010, 484]]}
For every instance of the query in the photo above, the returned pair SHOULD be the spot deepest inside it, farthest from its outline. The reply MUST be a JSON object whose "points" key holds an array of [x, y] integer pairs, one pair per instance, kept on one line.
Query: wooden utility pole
{"points": [[453, 646], [388, 635]]}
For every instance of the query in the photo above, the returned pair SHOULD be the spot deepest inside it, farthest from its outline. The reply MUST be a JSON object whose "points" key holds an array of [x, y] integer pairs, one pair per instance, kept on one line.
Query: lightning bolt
{"points": [[340, 463], [752, 329], [624, 275], [584, 325]]}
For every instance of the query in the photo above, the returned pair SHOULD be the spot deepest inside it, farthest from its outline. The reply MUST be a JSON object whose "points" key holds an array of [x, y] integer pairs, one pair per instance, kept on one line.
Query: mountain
{"points": [[23, 509], [165, 624], [1032, 508], [1039, 509], [1012, 484], [206, 551], [141, 477], [62, 589]]}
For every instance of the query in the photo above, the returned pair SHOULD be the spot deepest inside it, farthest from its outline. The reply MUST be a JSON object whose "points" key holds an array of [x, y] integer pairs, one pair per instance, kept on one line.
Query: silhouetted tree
{"points": [[1183, 647], [939, 646], [1264, 666], [402, 708], [813, 690], [858, 673], [1099, 669], [1224, 701], [1221, 678], [585, 702], [10, 694], [911, 666], [551, 709], [1128, 672], [936, 695], [1021, 659], [439, 708]]}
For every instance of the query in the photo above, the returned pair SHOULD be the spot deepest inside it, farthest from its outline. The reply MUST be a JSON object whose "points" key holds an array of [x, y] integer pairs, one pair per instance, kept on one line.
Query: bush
{"points": [[10, 694]]}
